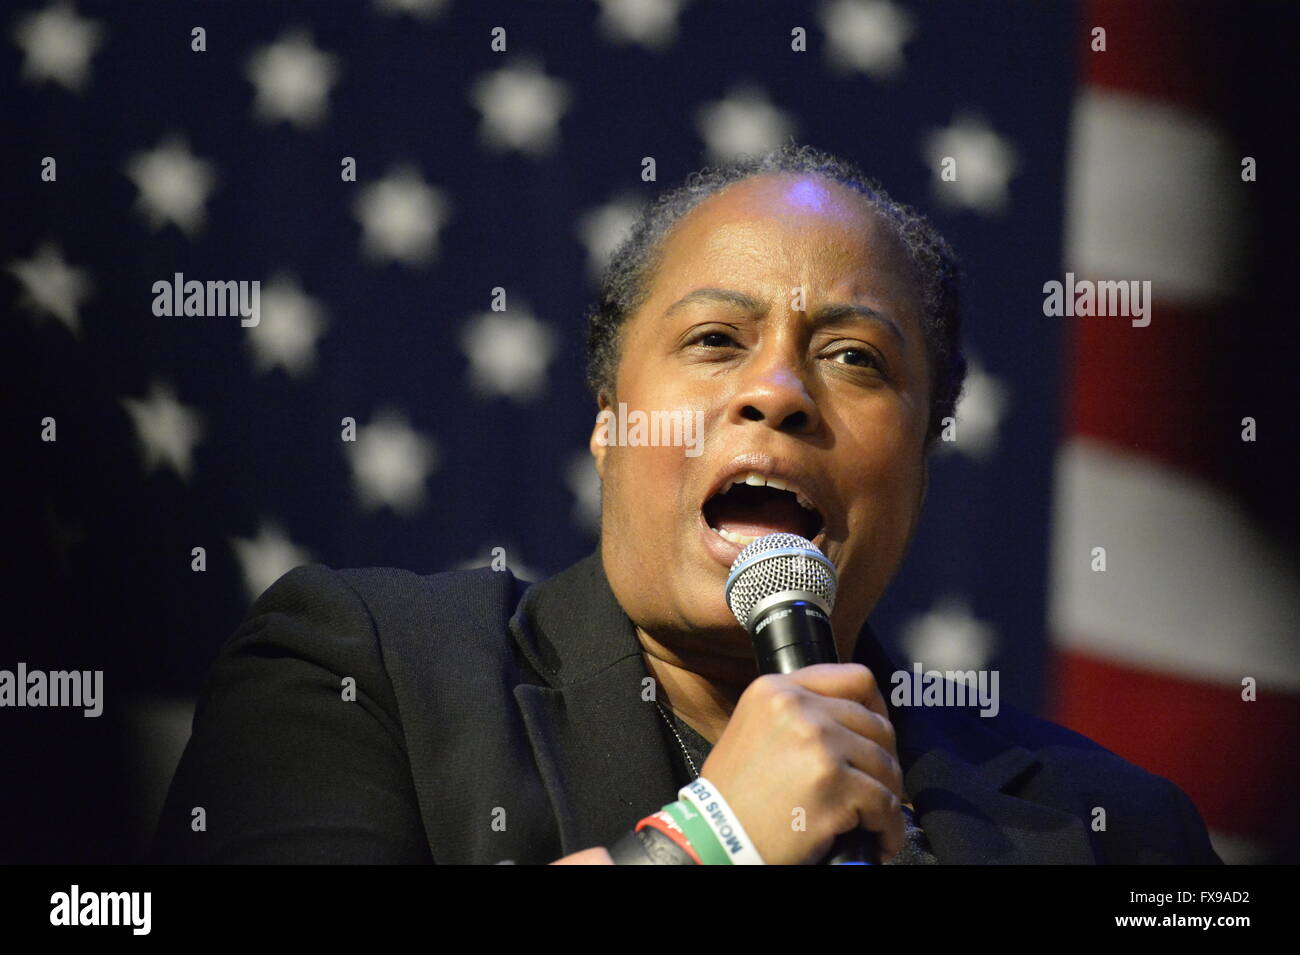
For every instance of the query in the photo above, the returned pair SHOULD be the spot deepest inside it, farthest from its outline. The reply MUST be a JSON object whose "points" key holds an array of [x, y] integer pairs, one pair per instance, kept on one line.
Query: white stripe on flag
{"points": [[1153, 193], [1190, 587]]}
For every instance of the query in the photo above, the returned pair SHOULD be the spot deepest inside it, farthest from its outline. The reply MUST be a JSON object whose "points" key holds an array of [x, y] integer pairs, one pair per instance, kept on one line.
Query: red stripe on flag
{"points": [[1168, 50], [1161, 392], [1228, 755]]}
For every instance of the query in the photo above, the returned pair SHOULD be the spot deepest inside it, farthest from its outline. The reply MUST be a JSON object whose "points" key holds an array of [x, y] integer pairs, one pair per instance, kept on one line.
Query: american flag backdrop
{"points": [[427, 190]]}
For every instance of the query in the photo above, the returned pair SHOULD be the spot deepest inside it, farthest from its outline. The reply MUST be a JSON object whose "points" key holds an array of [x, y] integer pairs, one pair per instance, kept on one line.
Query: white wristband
{"points": [[731, 834]]}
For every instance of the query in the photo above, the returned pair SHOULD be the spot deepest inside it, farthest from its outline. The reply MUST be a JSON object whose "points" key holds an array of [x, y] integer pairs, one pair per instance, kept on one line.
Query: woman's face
{"points": [[807, 365]]}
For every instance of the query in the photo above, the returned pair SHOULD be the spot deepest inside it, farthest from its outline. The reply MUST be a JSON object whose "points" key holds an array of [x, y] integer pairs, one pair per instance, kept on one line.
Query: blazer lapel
{"points": [[962, 775], [970, 820], [596, 736]]}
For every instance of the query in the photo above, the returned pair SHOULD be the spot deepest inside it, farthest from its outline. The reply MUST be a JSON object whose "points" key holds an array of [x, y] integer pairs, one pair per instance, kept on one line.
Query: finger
{"points": [[875, 700], [849, 681], [880, 811], [869, 757], [856, 717]]}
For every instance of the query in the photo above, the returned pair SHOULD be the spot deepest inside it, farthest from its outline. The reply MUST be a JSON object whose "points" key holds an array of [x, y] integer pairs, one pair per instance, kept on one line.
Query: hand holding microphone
{"points": [[808, 759]]}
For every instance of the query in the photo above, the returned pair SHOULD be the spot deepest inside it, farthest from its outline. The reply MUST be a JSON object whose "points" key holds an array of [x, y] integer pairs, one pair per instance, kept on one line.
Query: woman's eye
{"points": [[714, 340], [859, 356]]}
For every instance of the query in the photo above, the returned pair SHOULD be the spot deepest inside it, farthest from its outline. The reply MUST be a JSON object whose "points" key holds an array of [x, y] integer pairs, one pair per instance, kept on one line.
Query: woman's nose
{"points": [[775, 393]]}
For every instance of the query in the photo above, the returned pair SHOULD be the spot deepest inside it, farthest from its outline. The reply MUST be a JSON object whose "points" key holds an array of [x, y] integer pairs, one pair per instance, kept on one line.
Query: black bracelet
{"points": [[649, 846], [629, 850], [662, 849]]}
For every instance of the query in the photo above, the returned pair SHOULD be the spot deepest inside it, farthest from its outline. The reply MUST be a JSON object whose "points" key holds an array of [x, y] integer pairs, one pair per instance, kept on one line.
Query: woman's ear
{"points": [[599, 441]]}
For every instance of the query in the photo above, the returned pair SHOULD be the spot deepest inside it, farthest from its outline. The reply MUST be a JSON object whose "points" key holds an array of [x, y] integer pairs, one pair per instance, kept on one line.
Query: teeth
{"points": [[754, 479], [742, 540], [757, 480]]}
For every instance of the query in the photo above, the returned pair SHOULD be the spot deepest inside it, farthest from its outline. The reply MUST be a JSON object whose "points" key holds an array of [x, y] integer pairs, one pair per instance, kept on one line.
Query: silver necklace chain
{"points": [[695, 773]]}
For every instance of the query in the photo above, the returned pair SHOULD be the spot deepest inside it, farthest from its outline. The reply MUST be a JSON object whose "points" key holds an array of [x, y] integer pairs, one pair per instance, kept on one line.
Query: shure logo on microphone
{"points": [[946, 688], [781, 614]]}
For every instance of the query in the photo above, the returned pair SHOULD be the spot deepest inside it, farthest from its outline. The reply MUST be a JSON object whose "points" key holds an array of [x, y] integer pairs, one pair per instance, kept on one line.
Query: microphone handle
{"points": [[789, 636], [855, 847]]}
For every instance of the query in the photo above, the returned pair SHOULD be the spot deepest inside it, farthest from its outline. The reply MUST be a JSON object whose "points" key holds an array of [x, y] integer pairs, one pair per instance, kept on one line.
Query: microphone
{"points": [[782, 589]]}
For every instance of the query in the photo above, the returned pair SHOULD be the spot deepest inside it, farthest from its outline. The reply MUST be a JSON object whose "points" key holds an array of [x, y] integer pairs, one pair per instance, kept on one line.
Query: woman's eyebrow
{"points": [[840, 310], [719, 295], [823, 316]]}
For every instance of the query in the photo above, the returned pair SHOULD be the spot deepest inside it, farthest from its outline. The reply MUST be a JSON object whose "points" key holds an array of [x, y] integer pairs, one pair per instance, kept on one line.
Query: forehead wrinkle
{"points": [[864, 245]]}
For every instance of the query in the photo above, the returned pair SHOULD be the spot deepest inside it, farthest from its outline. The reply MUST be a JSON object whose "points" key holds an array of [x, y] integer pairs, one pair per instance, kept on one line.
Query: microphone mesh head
{"points": [[775, 563]]}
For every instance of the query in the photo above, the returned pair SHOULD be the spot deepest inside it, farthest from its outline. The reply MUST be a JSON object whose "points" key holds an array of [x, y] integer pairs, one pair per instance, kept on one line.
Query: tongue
{"points": [[754, 516]]}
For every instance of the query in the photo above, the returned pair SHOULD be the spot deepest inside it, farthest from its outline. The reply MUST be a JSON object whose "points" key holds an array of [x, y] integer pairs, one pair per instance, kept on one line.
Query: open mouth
{"points": [[753, 506]]}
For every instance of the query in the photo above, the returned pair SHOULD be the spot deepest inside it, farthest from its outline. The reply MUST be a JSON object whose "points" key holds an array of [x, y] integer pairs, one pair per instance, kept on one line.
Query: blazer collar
{"points": [[600, 745]]}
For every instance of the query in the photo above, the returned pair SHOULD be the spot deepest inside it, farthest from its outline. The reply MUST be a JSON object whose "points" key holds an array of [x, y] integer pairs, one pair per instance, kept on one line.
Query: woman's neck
{"points": [[702, 689]]}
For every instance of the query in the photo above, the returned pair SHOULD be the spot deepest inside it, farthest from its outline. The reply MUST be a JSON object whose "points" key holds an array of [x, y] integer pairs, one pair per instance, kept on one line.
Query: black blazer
{"points": [[492, 724]]}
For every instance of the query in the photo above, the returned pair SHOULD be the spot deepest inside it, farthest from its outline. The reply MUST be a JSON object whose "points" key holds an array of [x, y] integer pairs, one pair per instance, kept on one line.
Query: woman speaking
{"points": [[615, 712]]}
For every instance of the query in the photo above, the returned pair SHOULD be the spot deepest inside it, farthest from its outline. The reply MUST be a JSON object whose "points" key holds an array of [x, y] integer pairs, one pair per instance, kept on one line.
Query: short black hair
{"points": [[627, 279]]}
